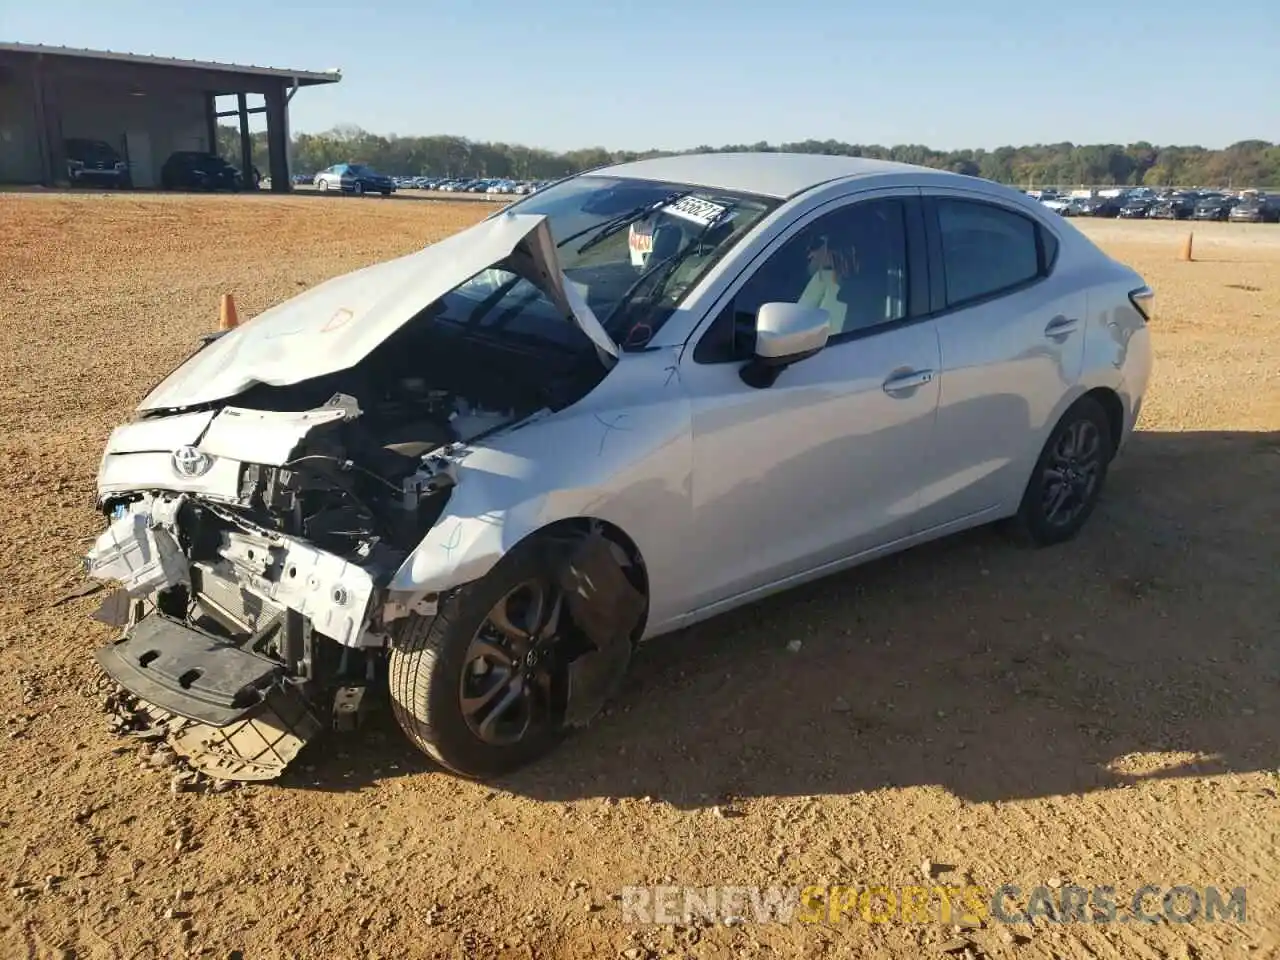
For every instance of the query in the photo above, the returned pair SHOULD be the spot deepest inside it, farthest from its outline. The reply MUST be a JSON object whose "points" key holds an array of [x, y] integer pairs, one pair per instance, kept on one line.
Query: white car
{"points": [[482, 472]]}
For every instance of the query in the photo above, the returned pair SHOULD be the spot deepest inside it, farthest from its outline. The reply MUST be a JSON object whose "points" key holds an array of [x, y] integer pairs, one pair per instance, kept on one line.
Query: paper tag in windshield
{"points": [[640, 242], [701, 212]]}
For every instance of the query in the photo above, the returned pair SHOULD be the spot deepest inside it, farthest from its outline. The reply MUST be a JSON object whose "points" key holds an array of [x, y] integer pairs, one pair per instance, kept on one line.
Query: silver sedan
{"points": [[642, 396]]}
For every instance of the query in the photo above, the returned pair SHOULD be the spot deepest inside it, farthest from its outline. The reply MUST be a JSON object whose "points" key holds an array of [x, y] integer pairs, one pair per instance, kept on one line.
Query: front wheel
{"points": [[482, 686], [1068, 477]]}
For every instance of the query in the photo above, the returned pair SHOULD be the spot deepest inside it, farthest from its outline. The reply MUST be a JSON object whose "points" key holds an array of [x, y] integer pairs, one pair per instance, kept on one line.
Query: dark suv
{"points": [[95, 162], [1175, 206], [195, 170], [1101, 207], [1135, 208], [1214, 206]]}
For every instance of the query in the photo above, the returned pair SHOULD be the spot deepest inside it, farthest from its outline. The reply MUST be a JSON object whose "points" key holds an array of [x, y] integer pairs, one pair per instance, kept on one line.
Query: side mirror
{"points": [[785, 334]]}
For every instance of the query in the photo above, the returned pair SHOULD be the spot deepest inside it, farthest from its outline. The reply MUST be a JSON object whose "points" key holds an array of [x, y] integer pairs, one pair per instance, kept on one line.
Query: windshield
{"points": [[631, 248], [90, 150]]}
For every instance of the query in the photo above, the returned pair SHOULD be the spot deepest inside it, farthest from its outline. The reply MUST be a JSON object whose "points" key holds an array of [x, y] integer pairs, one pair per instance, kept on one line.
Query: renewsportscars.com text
{"points": [[1006, 904]]}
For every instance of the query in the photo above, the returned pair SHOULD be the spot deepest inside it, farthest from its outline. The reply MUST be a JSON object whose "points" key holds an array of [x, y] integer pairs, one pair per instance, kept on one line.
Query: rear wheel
{"points": [[482, 686], [1068, 477]]}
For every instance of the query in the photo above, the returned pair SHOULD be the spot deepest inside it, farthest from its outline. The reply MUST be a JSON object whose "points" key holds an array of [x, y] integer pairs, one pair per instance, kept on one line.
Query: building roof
{"points": [[778, 175], [301, 77]]}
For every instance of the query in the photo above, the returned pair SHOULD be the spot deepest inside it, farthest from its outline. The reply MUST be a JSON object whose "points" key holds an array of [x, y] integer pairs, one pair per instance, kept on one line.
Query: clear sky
{"points": [[633, 74]]}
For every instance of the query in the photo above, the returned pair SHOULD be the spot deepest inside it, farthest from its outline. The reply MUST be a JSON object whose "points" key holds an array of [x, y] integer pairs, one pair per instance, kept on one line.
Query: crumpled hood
{"points": [[335, 325]]}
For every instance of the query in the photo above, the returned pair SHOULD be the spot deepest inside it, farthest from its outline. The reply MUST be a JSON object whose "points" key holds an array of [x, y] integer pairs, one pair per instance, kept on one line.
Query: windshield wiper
{"points": [[668, 267], [610, 227]]}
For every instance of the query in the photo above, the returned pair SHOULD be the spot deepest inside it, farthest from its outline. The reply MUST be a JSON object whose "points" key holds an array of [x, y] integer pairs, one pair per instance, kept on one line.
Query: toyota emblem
{"points": [[190, 462]]}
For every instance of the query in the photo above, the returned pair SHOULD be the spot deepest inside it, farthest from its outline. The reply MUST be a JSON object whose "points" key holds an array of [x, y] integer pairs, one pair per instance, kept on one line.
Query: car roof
{"points": [[779, 175]]}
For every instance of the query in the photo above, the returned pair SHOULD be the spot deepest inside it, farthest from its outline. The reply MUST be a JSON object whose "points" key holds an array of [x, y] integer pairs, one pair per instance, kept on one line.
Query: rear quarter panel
{"points": [[1118, 343]]}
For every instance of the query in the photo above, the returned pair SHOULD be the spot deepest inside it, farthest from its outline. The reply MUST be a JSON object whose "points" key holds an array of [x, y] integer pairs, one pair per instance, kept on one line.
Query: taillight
{"points": [[1144, 301]]}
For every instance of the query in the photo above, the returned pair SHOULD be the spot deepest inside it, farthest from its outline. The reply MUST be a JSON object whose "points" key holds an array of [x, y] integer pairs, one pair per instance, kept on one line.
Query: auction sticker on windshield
{"points": [[701, 212], [640, 242]]}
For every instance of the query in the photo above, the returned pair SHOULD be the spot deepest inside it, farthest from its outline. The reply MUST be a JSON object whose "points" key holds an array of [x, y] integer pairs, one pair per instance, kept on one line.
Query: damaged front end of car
{"points": [[251, 559], [273, 489]]}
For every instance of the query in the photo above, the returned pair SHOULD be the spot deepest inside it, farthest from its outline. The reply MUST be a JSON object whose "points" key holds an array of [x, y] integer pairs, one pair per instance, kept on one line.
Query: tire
{"points": [[431, 667], [1035, 523], [324, 186], [358, 189]]}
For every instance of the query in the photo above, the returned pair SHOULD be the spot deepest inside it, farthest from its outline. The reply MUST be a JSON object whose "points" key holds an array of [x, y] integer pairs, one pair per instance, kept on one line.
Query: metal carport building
{"points": [[145, 106]]}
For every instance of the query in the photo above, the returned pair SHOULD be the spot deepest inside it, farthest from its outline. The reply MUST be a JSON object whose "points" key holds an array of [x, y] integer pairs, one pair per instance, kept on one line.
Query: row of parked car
{"points": [[96, 163], [1248, 206], [360, 178], [468, 185]]}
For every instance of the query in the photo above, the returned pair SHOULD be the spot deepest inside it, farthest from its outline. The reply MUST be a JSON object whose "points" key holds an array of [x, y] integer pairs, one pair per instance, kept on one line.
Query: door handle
{"points": [[900, 383], [1060, 326]]}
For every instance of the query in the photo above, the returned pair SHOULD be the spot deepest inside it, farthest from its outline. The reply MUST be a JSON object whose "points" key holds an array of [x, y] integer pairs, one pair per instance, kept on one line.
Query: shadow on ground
{"points": [[995, 672]]}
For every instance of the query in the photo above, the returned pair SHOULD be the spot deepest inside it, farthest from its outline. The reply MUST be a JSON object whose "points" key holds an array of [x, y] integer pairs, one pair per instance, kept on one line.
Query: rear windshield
{"points": [[90, 150]]}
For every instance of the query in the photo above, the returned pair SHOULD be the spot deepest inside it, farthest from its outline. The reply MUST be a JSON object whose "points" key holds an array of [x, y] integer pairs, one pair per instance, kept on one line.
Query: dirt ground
{"points": [[1100, 713]]}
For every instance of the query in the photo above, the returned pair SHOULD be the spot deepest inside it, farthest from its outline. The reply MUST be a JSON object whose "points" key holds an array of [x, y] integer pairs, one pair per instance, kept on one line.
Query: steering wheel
{"points": [[627, 296]]}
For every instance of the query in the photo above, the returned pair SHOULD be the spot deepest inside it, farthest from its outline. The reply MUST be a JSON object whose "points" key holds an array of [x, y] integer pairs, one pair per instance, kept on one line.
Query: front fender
{"points": [[464, 545], [629, 467]]}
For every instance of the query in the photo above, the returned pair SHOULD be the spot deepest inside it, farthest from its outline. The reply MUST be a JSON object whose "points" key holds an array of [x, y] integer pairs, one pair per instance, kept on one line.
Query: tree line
{"points": [[1249, 163]]}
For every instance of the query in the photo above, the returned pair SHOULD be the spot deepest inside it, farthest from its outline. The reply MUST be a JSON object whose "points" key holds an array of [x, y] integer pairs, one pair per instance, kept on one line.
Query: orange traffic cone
{"points": [[1186, 247], [227, 317]]}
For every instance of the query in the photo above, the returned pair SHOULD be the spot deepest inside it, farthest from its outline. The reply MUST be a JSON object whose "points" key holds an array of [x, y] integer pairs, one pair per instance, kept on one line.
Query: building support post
{"points": [[278, 139], [211, 121], [246, 142], [53, 161]]}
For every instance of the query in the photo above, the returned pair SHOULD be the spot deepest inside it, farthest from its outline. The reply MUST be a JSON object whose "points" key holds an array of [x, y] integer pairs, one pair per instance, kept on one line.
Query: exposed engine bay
{"points": [[262, 531]]}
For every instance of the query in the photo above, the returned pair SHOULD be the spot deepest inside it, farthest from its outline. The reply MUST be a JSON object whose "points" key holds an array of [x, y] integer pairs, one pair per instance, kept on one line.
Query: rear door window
{"points": [[986, 249]]}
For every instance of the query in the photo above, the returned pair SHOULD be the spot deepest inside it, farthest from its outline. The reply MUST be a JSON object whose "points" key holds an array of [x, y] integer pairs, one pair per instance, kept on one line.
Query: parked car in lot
{"points": [[354, 178], [1100, 207], [1135, 208], [1213, 206], [96, 163], [486, 470], [1176, 206], [1058, 204], [1256, 208], [197, 170]]}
